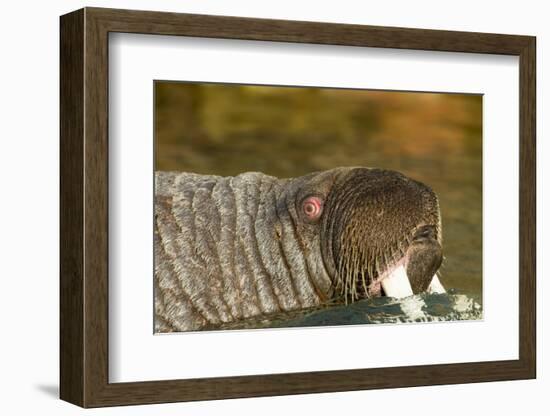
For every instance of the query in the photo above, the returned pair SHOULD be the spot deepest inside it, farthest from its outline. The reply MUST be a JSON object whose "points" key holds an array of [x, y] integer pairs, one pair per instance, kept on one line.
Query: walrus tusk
{"points": [[436, 286], [397, 284]]}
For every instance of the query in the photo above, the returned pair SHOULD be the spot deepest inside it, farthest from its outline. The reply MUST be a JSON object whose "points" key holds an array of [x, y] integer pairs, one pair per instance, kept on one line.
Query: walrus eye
{"points": [[312, 207]]}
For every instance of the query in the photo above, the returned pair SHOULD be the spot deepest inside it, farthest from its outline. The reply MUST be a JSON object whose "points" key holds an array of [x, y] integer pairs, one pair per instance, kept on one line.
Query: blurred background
{"points": [[436, 138]]}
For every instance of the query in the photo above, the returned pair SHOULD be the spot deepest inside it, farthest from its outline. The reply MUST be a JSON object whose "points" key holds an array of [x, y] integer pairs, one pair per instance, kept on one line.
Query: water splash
{"points": [[383, 310]]}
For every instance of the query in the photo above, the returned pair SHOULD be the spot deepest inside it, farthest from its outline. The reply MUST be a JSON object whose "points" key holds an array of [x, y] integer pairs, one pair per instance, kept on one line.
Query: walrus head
{"points": [[378, 231]]}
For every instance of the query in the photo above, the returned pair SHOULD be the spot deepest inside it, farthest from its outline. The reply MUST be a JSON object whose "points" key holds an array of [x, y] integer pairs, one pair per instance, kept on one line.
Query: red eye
{"points": [[312, 207]]}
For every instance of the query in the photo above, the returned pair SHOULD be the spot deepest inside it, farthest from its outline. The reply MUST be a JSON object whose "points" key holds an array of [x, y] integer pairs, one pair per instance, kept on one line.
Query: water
{"points": [[286, 132], [384, 310], [436, 307]]}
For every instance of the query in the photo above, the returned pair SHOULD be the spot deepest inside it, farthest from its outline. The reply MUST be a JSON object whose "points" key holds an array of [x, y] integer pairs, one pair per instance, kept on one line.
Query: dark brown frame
{"points": [[84, 209]]}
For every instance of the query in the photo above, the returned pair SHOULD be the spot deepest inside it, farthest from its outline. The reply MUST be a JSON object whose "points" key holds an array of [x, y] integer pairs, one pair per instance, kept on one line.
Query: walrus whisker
{"points": [[365, 291], [347, 287], [355, 274], [353, 261]]}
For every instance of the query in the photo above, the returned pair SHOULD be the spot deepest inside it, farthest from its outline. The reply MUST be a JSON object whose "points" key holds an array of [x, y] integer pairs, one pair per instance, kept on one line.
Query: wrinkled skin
{"points": [[228, 249]]}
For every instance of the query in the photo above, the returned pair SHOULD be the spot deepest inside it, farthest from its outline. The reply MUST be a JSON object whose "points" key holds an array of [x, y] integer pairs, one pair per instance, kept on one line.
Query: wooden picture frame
{"points": [[84, 207]]}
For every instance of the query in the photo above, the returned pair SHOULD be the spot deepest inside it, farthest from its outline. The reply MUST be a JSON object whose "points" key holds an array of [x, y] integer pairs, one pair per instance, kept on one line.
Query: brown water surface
{"points": [[435, 138]]}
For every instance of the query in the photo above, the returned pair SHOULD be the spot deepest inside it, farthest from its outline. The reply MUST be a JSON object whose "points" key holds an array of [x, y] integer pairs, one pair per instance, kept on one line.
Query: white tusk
{"points": [[436, 286], [397, 284]]}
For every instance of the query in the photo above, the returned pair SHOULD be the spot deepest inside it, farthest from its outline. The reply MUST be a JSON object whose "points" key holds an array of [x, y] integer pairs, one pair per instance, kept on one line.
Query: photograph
{"points": [[242, 198], [299, 206]]}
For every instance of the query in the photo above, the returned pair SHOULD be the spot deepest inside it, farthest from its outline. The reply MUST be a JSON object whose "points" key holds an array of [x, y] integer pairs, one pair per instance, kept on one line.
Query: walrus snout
{"points": [[382, 234]]}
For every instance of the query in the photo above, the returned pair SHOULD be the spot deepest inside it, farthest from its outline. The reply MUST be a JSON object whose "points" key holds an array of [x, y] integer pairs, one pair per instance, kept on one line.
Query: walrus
{"points": [[230, 249]]}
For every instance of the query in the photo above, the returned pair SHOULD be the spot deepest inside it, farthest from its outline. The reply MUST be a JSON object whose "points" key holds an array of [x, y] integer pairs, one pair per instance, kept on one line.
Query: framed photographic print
{"points": [[255, 207]]}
